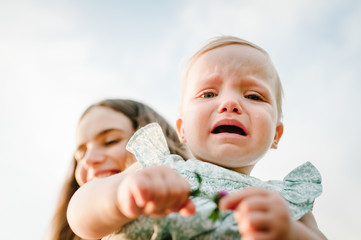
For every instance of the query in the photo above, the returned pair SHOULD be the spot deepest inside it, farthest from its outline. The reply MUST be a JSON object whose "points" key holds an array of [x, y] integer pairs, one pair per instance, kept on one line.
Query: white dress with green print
{"points": [[300, 188]]}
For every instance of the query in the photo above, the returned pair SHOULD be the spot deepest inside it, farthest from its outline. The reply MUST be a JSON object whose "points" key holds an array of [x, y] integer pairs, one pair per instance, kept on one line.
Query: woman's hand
{"points": [[154, 191]]}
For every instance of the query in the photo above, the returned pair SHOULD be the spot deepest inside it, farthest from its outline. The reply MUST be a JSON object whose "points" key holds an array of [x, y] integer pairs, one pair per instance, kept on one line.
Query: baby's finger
{"points": [[150, 208], [129, 208], [178, 194], [231, 201], [188, 209], [141, 190], [256, 235], [171, 192], [156, 203], [253, 221], [255, 203]]}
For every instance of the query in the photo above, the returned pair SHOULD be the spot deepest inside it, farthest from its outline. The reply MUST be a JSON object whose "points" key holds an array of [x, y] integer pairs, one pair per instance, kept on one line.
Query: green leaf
{"points": [[199, 178], [197, 192], [214, 214], [215, 198]]}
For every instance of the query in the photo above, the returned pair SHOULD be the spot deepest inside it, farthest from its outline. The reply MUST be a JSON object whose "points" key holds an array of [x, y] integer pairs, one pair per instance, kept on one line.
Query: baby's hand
{"points": [[260, 214], [154, 191]]}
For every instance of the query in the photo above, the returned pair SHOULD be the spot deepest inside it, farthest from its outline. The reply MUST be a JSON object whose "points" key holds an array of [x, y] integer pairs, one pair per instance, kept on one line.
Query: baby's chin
{"points": [[235, 165]]}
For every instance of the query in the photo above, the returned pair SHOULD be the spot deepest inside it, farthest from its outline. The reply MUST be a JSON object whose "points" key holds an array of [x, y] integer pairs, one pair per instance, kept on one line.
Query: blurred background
{"points": [[57, 57]]}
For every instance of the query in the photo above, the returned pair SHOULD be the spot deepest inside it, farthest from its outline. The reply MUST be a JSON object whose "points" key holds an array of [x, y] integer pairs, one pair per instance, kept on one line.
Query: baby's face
{"points": [[229, 110]]}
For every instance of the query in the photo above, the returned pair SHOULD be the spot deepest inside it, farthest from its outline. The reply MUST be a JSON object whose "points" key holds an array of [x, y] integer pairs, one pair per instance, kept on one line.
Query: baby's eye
{"points": [[208, 95], [254, 97]]}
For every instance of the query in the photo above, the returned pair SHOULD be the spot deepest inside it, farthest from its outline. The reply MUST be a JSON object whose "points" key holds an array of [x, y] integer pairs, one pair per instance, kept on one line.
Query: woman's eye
{"points": [[254, 97], [111, 142], [208, 95]]}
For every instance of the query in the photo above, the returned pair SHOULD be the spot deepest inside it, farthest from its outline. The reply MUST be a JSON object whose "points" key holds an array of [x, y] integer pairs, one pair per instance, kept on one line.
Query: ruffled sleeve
{"points": [[300, 188], [149, 145]]}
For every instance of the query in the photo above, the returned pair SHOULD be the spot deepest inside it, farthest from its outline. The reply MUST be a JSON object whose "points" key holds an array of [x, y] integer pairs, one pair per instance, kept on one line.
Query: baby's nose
{"points": [[230, 104]]}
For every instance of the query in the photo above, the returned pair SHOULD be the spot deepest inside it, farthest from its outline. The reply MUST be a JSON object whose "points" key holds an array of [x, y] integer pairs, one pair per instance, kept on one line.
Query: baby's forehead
{"points": [[234, 53], [236, 58]]}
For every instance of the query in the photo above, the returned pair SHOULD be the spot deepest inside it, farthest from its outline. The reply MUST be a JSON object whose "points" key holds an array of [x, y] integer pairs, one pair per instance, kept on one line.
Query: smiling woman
{"points": [[103, 132]]}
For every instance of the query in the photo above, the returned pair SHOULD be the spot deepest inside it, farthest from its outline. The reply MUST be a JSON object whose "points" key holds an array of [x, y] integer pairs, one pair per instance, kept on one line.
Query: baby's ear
{"points": [[278, 135], [180, 129]]}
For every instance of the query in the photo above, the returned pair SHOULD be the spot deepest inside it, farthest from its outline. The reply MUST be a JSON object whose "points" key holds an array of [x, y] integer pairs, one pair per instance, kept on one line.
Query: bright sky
{"points": [[57, 57]]}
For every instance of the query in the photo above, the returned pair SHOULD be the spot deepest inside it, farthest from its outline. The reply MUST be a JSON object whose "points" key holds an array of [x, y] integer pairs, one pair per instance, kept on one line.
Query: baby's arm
{"points": [[101, 206], [263, 214]]}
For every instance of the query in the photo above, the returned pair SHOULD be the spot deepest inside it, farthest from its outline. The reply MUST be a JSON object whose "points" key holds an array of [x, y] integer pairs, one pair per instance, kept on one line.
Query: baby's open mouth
{"points": [[229, 129]]}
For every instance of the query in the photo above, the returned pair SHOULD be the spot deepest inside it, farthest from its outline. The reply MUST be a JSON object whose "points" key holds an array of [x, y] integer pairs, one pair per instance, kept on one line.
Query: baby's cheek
{"points": [[267, 129]]}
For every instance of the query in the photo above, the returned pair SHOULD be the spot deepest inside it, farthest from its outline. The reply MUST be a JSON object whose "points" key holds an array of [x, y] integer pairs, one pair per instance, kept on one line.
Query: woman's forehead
{"points": [[99, 119]]}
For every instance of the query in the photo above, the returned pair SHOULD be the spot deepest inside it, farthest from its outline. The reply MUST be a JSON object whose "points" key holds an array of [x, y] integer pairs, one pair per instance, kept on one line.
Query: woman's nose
{"points": [[93, 156], [230, 103]]}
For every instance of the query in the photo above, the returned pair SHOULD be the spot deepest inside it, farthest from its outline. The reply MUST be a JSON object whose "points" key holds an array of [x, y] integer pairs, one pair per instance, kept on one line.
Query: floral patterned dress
{"points": [[300, 188]]}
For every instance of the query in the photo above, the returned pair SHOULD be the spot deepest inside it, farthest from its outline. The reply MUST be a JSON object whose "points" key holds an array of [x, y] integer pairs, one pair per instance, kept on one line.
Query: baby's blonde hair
{"points": [[221, 41]]}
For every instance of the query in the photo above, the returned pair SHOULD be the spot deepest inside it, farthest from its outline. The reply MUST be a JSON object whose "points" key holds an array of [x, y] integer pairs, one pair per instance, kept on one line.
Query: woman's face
{"points": [[101, 137]]}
